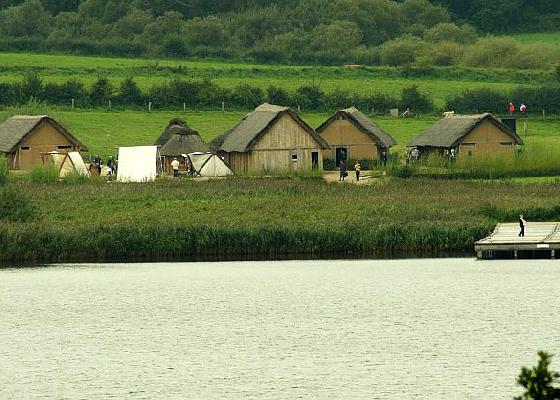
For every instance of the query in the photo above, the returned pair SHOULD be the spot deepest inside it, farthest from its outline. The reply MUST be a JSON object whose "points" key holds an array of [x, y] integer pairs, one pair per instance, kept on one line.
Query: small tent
{"points": [[138, 164], [66, 163], [208, 165]]}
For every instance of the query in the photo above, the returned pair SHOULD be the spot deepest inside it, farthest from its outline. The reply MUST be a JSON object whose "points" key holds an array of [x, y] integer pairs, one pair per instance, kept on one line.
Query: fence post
{"points": [[149, 106], [298, 108], [543, 114], [110, 105], [73, 104], [184, 107], [223, 106]]}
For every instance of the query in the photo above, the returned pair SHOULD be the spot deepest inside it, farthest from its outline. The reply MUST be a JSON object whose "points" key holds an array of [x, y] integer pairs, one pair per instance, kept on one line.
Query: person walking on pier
{"points": [[522, 224]]}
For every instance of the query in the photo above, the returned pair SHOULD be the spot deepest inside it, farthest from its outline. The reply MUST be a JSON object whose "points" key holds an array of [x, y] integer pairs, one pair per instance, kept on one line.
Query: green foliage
{"points": [[415, 101], [3, 170], [539, 381], [401, 51], [101, 91], [45, 174], [15, 206], [130, 93]]}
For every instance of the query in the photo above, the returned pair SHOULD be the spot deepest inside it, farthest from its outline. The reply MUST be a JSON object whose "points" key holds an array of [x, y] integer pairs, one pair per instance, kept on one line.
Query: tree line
{"points": [[327, 32], [205, 94]]}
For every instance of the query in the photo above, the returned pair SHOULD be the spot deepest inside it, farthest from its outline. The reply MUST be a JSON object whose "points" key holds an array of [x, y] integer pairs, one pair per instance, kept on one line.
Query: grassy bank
{"points": [[243, 217]]}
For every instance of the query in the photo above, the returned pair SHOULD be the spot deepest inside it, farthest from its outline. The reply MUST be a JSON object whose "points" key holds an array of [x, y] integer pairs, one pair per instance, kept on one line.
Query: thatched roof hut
{"points": [[178, 138], [472, 133], [271, 138], [362, 122], [24, 139], [352, 135]]}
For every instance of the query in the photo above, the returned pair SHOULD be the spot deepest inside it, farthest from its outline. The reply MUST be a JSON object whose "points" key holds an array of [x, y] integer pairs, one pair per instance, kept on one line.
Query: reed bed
{"points": [[243, 217]]}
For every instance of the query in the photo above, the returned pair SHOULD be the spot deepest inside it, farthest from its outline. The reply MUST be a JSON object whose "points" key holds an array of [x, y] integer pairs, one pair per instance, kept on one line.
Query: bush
{"points": [[15, 206], [401, 51], [3, 170], [415, 101], [401, 171], [44, 174]]}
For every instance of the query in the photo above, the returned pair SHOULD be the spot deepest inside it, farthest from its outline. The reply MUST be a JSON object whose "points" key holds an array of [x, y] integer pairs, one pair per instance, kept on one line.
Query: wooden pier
{"points": [[541, 240]]}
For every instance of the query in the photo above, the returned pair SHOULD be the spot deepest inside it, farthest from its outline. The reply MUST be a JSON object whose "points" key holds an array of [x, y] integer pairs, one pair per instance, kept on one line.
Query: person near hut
{"points": [[110, 166], [98, 164], [522, 224], [358, 169], [343, 171], [175, 165], [384, 158]]}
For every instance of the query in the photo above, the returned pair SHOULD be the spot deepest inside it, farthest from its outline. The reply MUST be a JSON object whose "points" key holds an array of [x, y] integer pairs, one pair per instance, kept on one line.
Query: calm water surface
{"points": [[408, 329]]}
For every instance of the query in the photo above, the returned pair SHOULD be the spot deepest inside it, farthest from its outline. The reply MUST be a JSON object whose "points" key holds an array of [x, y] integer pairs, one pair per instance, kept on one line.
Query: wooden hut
{"points": [[25, 139], [271, 139], [467, 135], [352, 135], [177, 139]]}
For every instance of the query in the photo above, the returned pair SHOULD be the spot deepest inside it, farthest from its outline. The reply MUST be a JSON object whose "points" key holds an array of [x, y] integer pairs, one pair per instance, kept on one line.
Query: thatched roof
{"points": [[178, 138], [16, 128], [175, 126], [363, 123], [254, 125], [448, 132]]}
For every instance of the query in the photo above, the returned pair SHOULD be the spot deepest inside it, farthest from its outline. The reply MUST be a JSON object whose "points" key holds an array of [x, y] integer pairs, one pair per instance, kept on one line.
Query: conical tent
{"points": [[208, 165], [67, 163]]}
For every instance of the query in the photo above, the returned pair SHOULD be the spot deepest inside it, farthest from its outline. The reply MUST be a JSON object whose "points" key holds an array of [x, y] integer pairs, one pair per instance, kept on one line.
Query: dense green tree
{"points": [[101, 91], [27, 19], [130, 93], [539, 381]]}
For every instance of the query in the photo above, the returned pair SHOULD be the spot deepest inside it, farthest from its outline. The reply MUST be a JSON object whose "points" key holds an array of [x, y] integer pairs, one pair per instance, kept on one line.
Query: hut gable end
{"points": [[285, 134], [452, 131]]}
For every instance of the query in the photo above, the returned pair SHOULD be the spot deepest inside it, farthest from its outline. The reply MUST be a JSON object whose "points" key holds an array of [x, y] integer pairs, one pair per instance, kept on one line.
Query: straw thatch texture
{"points": [[254, 125], [178, 138]]}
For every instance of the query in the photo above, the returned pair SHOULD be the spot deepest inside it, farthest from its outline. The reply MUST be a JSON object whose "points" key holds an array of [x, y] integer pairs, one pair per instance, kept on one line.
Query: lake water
{"points": [[401, 329]]}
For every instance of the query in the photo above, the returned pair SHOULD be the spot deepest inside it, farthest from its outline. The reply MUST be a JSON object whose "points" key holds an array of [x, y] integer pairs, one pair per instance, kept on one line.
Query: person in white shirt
{"points": [[175, 166]]}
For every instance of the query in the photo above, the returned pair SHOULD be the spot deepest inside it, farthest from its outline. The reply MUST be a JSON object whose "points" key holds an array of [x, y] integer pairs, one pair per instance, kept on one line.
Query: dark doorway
{"points": [[315, 159], [341, 154]]}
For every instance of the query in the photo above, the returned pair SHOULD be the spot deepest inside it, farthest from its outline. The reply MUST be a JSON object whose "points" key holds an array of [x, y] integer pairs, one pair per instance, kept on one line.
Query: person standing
{"points": [[175, 165], [384, 158], [522, 224], [110, 167], [358, 169], [343, 171]]}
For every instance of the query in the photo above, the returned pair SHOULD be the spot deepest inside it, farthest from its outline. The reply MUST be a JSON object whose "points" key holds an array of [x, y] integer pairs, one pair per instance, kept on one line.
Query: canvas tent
{"points": [[208, 165], [66, 163], [138, 164]]}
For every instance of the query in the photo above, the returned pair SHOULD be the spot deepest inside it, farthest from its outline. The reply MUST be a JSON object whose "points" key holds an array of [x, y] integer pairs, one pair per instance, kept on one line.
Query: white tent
{"points": [[208, 165], [67, 163], [138, 164]]}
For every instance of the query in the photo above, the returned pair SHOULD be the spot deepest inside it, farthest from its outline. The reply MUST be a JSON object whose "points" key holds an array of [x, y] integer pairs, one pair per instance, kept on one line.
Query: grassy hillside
{"points": [[438, 83]]}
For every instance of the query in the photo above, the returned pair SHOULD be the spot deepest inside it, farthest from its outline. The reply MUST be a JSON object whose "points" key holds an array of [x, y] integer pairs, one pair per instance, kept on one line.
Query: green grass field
{"points": [[438, 83], [539, 37]]}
